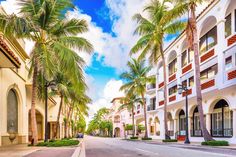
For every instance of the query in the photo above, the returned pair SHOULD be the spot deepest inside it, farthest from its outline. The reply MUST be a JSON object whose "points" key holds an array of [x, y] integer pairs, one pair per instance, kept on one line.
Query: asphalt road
{"points": [[110, 147]]}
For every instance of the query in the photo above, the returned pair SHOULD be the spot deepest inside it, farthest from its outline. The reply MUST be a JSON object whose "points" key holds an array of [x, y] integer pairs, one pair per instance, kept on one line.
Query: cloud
{"points": [[111, 90]]}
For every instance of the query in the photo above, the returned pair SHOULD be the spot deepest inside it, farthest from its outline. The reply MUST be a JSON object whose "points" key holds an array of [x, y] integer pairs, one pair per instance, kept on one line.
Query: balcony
{"points": [[151, 88], [151, 107]]}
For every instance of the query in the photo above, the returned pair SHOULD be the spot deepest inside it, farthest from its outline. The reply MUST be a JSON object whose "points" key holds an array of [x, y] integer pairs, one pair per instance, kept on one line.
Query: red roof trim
{"points": [[9, 52]]}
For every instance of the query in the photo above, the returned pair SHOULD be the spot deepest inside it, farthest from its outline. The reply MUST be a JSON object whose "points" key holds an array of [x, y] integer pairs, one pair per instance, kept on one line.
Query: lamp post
{"points": [[182, 89], [52, 85]]}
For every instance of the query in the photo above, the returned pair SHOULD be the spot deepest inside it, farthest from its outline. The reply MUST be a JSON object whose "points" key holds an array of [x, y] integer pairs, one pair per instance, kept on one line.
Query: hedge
{"points": [[133, 138], [59, 143], [170, 140], [216, 143], [145, 139]]}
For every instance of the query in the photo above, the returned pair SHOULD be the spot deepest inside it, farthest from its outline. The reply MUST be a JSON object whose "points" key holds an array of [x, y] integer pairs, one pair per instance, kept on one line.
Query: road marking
{"points": [[146, 151]]}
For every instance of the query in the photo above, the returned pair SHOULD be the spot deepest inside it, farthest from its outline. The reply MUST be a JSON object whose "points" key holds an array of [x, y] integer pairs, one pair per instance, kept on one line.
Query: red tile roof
{"points": [[10, 53]]}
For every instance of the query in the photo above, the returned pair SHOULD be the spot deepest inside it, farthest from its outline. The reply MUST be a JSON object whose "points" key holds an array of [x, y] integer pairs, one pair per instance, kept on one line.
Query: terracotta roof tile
{"points": [[9, 51]]}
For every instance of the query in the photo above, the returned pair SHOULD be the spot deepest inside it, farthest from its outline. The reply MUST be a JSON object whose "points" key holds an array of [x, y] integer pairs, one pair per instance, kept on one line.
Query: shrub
{"points": [[59, 143], [170, 140], [128, 127], [216, 143], [134, 138], [145, 139], [141, 127]]}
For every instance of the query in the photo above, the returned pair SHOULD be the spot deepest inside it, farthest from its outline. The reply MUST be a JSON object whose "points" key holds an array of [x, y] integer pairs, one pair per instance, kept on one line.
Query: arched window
{"points": [[222, 120], [12, 112], [196, 123], [182, 122]]}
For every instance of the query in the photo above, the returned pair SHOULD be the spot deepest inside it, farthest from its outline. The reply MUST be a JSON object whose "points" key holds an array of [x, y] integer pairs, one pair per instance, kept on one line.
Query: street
{"points": [[110, 147]]}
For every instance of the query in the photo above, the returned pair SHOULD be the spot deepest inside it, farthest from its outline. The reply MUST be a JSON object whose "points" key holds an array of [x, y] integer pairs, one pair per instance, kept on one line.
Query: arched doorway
{"points": [[170, 123], [157, 126], [196, 127], [117, 132], [222, 120], [39, 119], [12, 112], [151, 127]]}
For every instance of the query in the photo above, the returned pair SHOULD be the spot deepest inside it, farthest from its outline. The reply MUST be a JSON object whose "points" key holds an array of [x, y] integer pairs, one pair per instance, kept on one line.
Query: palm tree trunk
{"points": [[165, 94], [145, 116], [205, 132], [58, 116], [133, 121], [33, 102]]}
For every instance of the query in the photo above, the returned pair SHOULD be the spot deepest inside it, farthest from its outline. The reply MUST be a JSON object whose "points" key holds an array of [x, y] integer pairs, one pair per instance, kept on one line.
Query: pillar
{"points": [[175, 126], [234, 123], [208, 121]]}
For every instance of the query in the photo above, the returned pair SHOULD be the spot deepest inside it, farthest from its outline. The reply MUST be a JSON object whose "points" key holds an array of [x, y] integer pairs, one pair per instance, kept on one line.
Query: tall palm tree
{"points": [[189, 7], [136, 79], [161, 21], [55, 40], [129, 102]]}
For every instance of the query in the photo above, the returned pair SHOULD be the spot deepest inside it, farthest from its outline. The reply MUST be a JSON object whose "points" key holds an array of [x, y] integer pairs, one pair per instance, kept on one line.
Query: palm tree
{"points": [[136, 79], [129, 102], [160, 22], [55, 40], [189, 7]]}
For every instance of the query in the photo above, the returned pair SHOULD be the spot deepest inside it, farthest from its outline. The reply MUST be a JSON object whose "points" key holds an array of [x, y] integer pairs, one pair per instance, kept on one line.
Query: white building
{"points": [[217, 32]]}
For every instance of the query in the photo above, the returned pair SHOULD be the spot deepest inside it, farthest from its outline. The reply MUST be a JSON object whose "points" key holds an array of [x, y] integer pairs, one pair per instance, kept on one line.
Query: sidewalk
{"points": [[192, 144], [17, 150]]}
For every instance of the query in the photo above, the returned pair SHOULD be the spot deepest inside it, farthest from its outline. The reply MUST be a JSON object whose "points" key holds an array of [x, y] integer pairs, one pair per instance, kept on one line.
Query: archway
{"points": [[151, 127], [117, 132], [157, 126], [222, 120], [12, 112], [170, 123], [39, 119]]}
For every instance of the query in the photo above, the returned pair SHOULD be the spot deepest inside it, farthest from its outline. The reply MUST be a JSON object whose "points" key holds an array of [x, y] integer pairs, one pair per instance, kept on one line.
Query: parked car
{"points": [[80, 135]]}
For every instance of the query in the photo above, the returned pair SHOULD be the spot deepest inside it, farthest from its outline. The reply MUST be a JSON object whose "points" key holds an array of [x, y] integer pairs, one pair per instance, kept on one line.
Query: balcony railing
{"points": [[116, 121], [151, 86], [222, 132]]}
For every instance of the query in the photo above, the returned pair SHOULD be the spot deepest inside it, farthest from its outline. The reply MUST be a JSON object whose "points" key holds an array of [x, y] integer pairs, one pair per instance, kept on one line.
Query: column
{"points": [[208, 122], [221, 45], [189, 126], [234, 123], [175, 126]]}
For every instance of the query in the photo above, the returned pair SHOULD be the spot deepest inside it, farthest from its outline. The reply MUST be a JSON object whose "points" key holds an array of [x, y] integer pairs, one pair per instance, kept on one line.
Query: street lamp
{"points": [[182, 89], [52, 85]]}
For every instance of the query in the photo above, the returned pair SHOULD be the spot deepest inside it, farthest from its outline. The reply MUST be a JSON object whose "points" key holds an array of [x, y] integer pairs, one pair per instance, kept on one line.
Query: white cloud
{"points": [[111, 90]]}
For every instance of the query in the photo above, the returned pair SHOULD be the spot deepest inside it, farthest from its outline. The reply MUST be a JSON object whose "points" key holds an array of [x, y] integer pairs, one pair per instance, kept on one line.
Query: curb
{"points": [[80, 150]]}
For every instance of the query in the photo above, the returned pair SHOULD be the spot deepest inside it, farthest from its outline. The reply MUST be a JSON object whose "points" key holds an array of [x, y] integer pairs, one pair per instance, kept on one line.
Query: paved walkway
{"points": [[25, 151], [53, 152], [16, 150]]}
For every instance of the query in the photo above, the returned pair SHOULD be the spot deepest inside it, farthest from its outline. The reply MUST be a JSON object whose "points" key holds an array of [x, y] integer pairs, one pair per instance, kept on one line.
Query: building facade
{"points": [[217, 45], [119, 117], [15, 97]]}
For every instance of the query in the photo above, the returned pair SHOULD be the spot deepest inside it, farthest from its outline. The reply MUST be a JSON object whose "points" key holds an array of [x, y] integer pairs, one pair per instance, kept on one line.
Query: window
{"points": [[184, 60], [228, 26], [191, 82], [209, 73], [12, 112], [208, 41], [228, 63], [173, 67], [182, 122], [173, 90], [222, 120], [186, 57]]}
